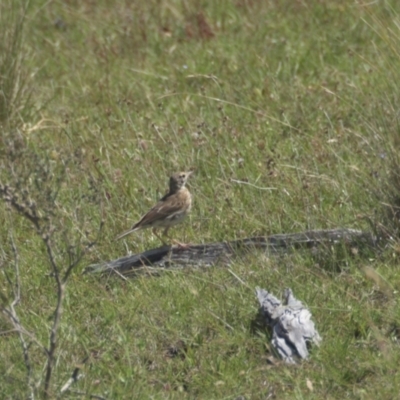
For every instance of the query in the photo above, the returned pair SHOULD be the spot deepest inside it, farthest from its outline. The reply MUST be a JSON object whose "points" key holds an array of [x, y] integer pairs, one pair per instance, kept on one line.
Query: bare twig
{"points": [[57, 315], [79, 259], [46, 231], [11, 312], [61, 283], [27, 210], [32, 190]]}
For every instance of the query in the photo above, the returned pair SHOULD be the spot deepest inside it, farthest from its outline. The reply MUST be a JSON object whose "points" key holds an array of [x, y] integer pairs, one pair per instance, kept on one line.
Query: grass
{"points": [[296, 98]]}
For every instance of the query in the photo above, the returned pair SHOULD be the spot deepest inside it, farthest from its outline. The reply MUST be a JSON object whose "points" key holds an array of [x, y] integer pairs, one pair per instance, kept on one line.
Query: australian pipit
{"points": [[169, 211]]}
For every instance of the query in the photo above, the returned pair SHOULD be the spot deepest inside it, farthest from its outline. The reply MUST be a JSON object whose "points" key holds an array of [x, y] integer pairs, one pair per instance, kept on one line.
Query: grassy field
{"points": [[288, 112]]}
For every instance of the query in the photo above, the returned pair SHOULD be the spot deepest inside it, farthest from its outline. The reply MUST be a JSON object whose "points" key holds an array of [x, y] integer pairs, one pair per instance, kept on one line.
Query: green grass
{"points": [[300, 97]]}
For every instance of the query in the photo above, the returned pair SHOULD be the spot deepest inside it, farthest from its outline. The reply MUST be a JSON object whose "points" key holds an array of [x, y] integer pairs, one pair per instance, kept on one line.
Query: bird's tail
{"points": [[126, 233]]}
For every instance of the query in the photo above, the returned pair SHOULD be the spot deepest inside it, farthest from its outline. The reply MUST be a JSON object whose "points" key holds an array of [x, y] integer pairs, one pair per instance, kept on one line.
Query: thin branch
{"points": [[73, 264], [22, 330], [28, 211], [6, 333], [26, 208], [17, 289], [57, 315], [11, 312], [61, 285]]}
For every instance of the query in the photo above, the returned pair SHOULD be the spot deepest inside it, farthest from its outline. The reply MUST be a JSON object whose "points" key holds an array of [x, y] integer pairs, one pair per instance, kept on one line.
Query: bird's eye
{"points": [[182, 176]]}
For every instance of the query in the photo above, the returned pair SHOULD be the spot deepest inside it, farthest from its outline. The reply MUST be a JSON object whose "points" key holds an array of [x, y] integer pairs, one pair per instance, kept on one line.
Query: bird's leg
{"points": [[159, 237], [179, 244]]}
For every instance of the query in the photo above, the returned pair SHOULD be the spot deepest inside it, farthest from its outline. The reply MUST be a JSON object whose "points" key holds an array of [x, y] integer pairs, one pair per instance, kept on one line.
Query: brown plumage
{"points": [[170, 210]]}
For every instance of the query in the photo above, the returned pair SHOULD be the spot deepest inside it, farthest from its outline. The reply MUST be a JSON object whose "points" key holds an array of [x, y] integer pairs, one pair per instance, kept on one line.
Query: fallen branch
{"points": [[224, 252], [292, 328]]}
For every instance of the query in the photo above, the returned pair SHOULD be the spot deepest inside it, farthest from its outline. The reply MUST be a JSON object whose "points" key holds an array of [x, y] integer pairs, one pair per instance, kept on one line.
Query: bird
{"points": [[169, 211]]}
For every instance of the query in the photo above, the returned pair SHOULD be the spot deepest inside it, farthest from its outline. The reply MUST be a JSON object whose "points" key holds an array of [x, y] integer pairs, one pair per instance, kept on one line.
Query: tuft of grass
{"points": [[15, 88]]}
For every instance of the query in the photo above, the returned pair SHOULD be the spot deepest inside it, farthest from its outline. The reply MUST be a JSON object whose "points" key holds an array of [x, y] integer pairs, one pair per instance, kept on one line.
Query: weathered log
{"points": [[224, 252], [292, 327]]}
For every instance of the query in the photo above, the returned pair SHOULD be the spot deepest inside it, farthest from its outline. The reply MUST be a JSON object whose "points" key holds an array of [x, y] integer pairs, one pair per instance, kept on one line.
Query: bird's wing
{"points": [[166, 208]]}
